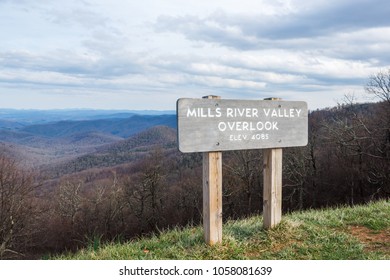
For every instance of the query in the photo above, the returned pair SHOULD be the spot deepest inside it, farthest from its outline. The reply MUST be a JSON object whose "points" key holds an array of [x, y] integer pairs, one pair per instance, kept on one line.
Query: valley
{"points": [[34, 140]]}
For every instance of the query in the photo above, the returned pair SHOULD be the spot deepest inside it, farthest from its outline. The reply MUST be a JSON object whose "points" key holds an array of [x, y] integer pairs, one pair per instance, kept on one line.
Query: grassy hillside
{"points": [[361, 232]]}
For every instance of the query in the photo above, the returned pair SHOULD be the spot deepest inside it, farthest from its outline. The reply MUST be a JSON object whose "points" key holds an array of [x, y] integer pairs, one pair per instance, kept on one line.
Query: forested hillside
{"points": [[46, 142], [118, 152]]}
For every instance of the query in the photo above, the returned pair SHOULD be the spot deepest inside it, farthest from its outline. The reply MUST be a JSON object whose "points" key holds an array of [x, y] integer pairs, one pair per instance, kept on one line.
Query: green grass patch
{"points": [[344, 233]]}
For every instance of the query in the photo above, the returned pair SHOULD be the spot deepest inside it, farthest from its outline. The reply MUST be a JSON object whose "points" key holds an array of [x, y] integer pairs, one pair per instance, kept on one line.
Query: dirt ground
{"points": [[372, 240]]}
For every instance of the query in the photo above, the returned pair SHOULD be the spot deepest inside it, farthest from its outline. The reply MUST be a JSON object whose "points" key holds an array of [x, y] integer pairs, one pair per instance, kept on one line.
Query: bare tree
{"points": [[360, 134], [145, 192], [296, 169], [246, 165], [112, 207], [101, 209], [70, 200], [379, 85], [16, 193]]}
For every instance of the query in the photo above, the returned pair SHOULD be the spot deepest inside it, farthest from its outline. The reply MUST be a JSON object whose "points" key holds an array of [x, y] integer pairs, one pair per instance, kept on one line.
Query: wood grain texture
{"points": [[272, 187], [212, 194], [212, 197], [211, 124]]}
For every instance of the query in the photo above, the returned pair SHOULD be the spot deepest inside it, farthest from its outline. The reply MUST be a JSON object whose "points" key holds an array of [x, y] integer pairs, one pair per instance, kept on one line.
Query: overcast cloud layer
{"points": [[125, 55]]}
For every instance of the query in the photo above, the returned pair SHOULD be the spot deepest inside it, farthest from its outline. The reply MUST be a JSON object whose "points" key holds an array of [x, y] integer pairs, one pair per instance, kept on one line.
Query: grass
{"points": [[361, 232]]}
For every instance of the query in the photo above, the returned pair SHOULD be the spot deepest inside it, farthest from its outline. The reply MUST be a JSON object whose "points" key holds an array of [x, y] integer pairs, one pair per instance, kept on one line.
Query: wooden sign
{"points": [[206, 125], [211, 125]]}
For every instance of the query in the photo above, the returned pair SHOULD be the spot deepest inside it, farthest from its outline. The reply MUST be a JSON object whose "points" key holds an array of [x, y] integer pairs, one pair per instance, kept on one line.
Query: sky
{"points": [[139, 55]]}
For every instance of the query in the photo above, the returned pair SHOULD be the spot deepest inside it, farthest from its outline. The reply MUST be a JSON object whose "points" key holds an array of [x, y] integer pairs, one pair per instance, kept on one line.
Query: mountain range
{"points": [[98, 137]]}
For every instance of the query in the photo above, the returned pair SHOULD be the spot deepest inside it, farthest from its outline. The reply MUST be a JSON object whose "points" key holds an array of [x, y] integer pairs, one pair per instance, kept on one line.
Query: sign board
{"points": [[206, 125]]}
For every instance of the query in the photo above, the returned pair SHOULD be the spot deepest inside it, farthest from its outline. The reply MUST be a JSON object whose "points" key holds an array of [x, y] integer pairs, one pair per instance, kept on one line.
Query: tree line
{"points": [[345, 162]]}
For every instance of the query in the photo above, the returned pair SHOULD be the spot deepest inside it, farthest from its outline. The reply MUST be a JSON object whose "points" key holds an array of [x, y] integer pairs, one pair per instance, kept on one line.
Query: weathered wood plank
{"points": [[212, 195], [206, 125], [272, 187]]}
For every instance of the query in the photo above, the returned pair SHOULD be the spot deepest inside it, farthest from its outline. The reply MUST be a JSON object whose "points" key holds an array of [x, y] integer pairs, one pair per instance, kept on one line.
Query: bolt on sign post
{"points": [[212, 125]]}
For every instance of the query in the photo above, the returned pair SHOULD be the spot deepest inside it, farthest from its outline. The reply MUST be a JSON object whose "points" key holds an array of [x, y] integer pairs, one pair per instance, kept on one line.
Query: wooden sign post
{"points": [[212, 194], [272, 185], [212, 125]]}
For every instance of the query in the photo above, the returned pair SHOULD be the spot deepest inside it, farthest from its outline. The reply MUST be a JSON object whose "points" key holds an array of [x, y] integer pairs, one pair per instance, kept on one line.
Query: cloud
{"points": [[259, 31], [80, 64], [325, 43], [76, 16], [246, 49]]}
